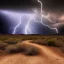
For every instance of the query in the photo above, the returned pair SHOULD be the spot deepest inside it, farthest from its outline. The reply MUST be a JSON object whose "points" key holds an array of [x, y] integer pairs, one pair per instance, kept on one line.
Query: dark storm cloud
{"points": [[17, 3], [54, 5], [48, 4]]}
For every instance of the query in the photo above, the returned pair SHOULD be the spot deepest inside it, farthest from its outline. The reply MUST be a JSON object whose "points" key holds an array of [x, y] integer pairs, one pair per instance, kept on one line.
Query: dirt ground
{"points": [[48, 55]]}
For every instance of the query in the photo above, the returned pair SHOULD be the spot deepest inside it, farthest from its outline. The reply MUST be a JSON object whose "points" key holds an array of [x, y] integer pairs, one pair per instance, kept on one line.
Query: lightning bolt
{"points": [[32, 17], [17, 26], [42, 15], [27, 28], [45, 17]]}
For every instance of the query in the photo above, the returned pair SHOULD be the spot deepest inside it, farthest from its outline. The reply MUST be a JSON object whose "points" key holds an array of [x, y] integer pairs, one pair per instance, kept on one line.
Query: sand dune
{"points": [[48, 55]]}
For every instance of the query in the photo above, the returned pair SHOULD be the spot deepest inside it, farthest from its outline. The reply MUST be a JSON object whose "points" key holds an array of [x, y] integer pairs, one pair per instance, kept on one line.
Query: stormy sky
{"points": [[54, 7], [47, 4]]}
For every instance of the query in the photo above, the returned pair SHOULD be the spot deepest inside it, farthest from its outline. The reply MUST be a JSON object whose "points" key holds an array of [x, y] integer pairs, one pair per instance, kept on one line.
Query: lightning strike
{"points": [[32, 17], [27, 26], [17, 26], [45, 17]]}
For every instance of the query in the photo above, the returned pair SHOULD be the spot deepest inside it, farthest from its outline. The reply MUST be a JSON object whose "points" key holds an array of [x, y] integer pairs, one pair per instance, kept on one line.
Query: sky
{"points": [[11, 13], [49, 4]]}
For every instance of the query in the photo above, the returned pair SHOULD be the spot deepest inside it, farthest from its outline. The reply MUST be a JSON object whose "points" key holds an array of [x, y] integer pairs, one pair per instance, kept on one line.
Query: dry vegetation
{"points": [[28, 49], [11, 43]]}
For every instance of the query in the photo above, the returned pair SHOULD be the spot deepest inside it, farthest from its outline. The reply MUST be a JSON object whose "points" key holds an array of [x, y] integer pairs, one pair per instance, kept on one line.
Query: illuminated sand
{"points": [[48, 55]]}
